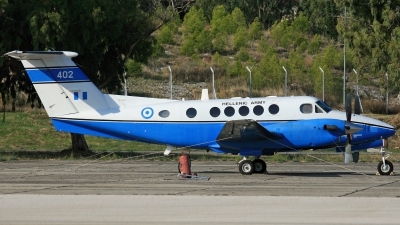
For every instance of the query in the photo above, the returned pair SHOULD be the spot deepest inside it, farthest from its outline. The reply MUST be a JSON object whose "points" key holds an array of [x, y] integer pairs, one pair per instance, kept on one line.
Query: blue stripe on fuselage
{"points": [[204, 134], [49, 75], [197, 135]]}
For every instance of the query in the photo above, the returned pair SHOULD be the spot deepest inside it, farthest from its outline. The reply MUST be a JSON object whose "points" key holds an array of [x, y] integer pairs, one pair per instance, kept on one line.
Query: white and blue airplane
{"points": [[250, 127]]}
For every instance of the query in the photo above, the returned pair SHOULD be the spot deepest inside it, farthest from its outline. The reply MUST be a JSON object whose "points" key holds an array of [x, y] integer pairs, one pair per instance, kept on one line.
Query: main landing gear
{"points": [[248, 167]]}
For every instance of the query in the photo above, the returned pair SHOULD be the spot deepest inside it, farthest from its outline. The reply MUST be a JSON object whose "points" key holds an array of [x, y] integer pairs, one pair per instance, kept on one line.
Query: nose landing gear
{"points": [[385, 167]]}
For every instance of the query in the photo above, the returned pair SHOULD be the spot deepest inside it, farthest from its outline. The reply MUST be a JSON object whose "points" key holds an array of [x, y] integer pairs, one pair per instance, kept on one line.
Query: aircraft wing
{"points": [[245, 131]]}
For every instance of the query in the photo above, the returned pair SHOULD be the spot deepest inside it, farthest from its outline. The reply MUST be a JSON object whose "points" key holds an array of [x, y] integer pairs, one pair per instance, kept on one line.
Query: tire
{"points": [[385, 171], [246, 167], [259, 166]]}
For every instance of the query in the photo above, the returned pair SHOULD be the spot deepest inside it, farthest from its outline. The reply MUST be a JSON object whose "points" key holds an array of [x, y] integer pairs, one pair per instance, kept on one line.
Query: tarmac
{"points": [[150, 192]]}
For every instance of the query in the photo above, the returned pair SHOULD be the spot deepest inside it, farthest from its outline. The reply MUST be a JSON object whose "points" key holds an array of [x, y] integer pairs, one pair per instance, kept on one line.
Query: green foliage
{"points": [[194, 33], [301, 24], [372, 36], [323, 14], [291, 35], [196, 58], [188, 46], [220, 43], [241, 38], [297, 71], [326, 60], [314, 45], [269, 72], [262, 44], [166, 36], [242, 55], [167, 32], [222, 22], [194, 22], [278, 30], [204, 41], [133, 68], [157, 48], [236, 69], [238, 18], [268, 11], [218, 60], [256, 29]]}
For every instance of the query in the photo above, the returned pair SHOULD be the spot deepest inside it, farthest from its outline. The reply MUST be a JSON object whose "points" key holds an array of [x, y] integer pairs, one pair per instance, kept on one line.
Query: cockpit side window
{"points": [[324, 106], [318, 109], [306, 108]]}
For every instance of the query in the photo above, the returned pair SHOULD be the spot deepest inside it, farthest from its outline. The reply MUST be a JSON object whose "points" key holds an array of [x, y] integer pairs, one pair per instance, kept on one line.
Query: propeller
{"points": [[357, 105], [347, 151]]}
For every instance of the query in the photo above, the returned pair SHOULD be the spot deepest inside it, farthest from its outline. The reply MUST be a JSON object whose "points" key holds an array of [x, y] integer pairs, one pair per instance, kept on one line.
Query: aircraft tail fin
{"points": [[61, 85]]}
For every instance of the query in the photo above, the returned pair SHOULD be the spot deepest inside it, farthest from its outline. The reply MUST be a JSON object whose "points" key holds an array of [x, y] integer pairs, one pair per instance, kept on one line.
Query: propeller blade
{"points": [[357, 105], [348, 107]]}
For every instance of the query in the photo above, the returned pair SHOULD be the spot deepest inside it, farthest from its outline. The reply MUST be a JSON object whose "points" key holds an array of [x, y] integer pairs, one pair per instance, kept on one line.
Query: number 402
{"points": [[65, 74]]}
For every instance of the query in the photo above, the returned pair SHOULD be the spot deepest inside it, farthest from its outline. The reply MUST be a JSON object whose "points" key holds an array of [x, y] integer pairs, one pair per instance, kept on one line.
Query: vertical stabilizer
{"points": [[62, 86]]}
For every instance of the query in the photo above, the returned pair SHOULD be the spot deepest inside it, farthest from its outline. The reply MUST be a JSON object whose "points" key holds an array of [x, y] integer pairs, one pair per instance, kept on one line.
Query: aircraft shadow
{"points": [[289, 174]]}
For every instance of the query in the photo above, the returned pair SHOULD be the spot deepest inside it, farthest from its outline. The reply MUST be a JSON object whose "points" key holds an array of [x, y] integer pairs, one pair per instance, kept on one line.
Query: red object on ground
{"points": [[184, 164]]}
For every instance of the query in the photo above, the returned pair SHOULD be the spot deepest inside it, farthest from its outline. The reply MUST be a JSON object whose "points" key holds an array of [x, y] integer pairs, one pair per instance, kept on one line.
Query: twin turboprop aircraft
{"points": [[251, 127]]}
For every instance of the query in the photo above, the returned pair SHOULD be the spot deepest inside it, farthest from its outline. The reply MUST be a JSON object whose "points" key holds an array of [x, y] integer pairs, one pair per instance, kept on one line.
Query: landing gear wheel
{"points": [[385, 170], [259, 166], [246, 167]]}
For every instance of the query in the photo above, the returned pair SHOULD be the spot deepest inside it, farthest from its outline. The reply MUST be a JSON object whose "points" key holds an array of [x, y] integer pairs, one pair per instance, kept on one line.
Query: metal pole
{"points": [[170, 81], [387, 92], [344, 63], [323, 84], [285, 80], [251, 85], [356, 81], [213, 88], [125, 91]]}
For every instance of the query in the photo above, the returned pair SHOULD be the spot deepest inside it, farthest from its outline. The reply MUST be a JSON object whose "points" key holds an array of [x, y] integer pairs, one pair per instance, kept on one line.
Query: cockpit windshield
{"points": [[323, 106]]}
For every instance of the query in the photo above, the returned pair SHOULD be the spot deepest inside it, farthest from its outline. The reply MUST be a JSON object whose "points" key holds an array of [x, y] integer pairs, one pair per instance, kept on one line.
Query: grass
{"points": [[31, 135], [33, 131]]}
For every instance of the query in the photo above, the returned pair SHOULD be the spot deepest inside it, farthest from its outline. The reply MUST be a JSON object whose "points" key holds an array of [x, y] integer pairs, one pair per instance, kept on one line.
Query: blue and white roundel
{"points": [[147, 112]]}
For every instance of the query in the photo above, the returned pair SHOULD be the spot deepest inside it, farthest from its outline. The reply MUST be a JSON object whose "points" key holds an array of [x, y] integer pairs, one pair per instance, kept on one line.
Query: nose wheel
{"points": [[385, 167]]}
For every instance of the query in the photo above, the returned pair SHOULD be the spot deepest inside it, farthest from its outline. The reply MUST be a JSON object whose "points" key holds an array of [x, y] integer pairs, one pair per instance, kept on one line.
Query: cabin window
{"points": [[164, 113], [191, 112], [258, 110], [215, 111], [229, 111], [273, 109], [306, 108], [318, 110], [244, 111]]}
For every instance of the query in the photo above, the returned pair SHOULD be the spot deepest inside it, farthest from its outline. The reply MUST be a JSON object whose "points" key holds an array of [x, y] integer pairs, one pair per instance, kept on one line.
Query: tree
{"points": [[256, 29], [105, 33], [238, 18], [193, 25], [269, 72], [204, 41], [323, 15], [222, 23], [241, 38]]}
